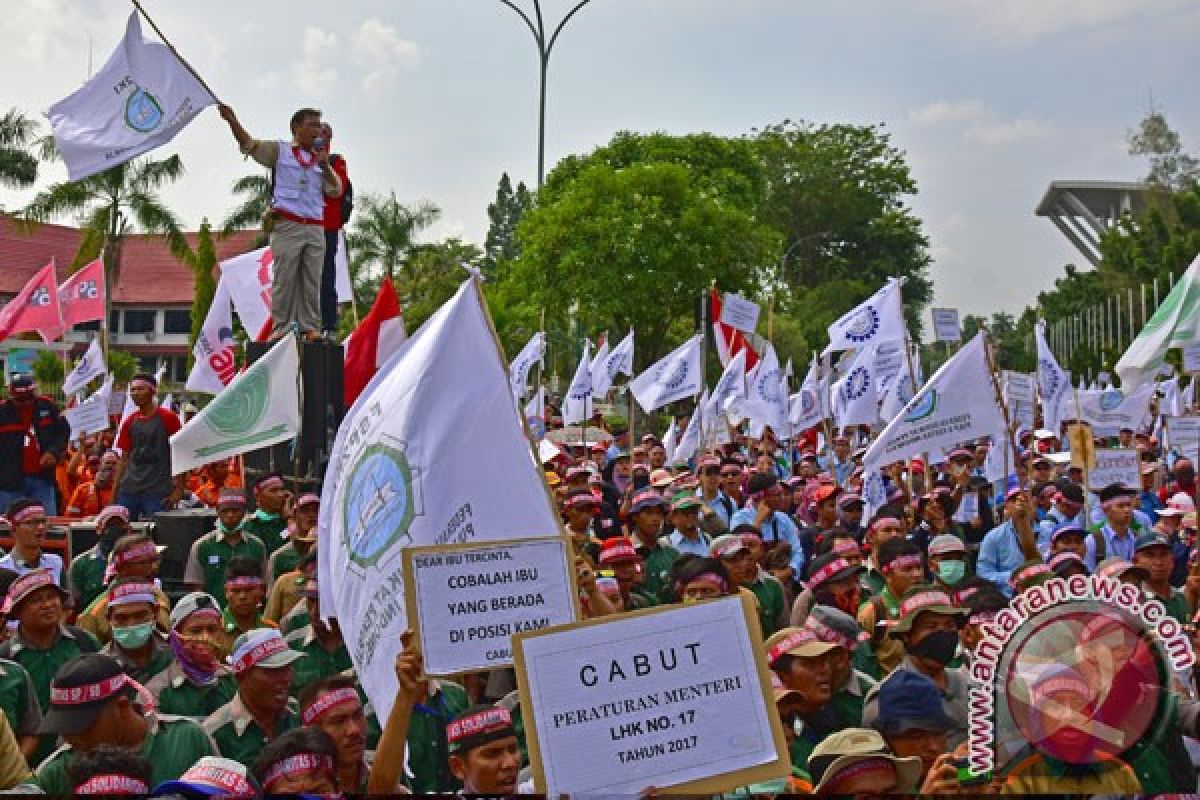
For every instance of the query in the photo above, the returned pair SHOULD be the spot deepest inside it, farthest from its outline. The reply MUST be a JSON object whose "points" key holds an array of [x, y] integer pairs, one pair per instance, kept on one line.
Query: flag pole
{"points": [[175, 52], [1083, 456], [1028, 548]]}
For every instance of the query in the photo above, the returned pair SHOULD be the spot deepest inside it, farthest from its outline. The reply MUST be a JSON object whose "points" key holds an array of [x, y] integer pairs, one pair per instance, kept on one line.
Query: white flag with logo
{"points": [[415, 463], [1109, 410], [671, 378], [91, 365], [214, 362], [1053, 381], [598, 359], [809, 406], [260, 407], [766, 397], [879, 319], [577, 403], [731, 385], [958, 403], [139, 100], [532, 353], [896, 394], [856, 394], [618, 361], [248, 279]]}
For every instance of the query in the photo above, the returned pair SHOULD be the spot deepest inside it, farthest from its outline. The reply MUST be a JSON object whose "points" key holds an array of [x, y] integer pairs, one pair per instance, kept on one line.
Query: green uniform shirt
{"points": [[295, 620], [211, 554], [175, 694], [657, 563], [770, 603], [427, 747], [172, 746], [269, 528], [863, 660], [238, 736], [161, 657], [87, 577], [317, 662], [283, 561], [1177, 606], [18, 699], [849, 700]]}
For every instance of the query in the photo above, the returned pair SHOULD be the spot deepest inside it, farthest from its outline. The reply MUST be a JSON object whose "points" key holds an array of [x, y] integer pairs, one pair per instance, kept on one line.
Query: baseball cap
{"points": [[261, 647], [835, 626], [581, 498], [831, 567], [29, 583], [131, 591], [211, 776], [191, 603], [478, 726], [726, 545], [1117, 567], [617, 550], [81, 690], [660, 478], [231, 498], [1180, 501], [825, 492], [683, 502], [945, 543], [920, 599], [1150, 539], [841, 750], [907, 701], [799, 642], [646, 498]]}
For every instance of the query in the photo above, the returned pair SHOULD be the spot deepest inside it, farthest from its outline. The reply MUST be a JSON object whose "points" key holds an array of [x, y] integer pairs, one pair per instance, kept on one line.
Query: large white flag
{"points": [[896, 394], [91, 365], [214, 362], [577, 402], [856, 395], [598, 359], [670, 439], [958, 403], [248, 279], [1053, 381], [809, 406], [139, 100], [532, 353], [260, 407], [879, 319], [407, 471], [618, 361], [767, 398], [1171, 403], [732, 384], [1176, 323], [1109, 410], [673, 377], [689, 442]]}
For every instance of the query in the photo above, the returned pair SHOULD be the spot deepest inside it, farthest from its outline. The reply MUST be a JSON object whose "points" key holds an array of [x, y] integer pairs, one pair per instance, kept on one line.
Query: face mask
{"points": [[939, 647], [951, 572], [134, 636], [266, 516], [226, 529], [201, 652]]}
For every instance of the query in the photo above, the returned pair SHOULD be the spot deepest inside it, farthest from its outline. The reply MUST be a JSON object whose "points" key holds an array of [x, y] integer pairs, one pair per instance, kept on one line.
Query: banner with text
{"points": [[1116, 466], [738, 312], [1185, 436]]}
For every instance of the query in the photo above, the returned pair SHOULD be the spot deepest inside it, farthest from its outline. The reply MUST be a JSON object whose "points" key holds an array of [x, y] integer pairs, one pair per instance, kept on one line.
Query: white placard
{"points": [[1191, 358], [946, 327], [968, 508], [116, 402], [660, 698], [1185, 435], [739, 312], [469, 602], [1120, 465], [1018, 389], [87, 417]]}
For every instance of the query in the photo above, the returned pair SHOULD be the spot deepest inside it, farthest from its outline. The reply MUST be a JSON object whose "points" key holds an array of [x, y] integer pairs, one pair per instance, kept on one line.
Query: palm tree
{"points": [[18, 166], [384, 230], [255, 191]]}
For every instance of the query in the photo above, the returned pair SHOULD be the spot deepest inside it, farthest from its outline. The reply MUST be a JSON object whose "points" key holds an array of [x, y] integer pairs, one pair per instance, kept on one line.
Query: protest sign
{"points": [[1191, 358], [1116, 466], [945, 325], [1185, 436], [967, 509], [466, 601], [88, 417], [738, 312], [1018, 389], [675, 697]]}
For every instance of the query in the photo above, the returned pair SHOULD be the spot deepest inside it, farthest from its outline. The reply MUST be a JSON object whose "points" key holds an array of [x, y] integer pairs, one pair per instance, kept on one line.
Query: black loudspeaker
{"points": [[321, 366], [177, 531]]}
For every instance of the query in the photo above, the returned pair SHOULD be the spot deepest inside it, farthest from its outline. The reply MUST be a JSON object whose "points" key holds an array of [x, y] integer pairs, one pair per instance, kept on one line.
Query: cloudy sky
{"points": [[990, 99]]}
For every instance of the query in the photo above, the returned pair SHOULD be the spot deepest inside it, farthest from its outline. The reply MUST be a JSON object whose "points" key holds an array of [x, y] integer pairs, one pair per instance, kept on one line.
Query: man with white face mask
{"points": [[140, 649]]}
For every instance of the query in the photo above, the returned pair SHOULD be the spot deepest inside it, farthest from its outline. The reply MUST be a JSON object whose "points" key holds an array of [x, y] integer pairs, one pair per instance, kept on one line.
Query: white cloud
{"points": [[943, 111], [267, 81], [1026, 22], [313, 74], [1005, 132], [381, 52]]}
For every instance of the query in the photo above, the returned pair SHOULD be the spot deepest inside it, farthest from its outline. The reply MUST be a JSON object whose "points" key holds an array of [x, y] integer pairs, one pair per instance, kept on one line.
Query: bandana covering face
{"points": [[198, 657]]}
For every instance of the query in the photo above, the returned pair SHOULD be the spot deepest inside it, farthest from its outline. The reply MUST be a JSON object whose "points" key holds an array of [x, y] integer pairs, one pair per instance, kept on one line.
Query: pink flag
{"points": [[35, 308], [82, 295]]}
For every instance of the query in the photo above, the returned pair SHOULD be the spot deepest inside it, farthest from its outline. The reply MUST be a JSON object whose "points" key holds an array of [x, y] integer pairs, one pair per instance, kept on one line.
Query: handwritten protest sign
{"points": [[1116, 466], [673, 697], [466, 601]]}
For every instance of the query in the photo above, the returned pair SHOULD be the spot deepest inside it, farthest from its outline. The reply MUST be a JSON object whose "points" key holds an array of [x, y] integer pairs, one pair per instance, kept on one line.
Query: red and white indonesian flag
{"points": [[373, 342], [139, 100], [35, 308], [82, 295], [215, 359], [958, 403], [415, 463], [729, 340], [879, 319], [248, 279]]}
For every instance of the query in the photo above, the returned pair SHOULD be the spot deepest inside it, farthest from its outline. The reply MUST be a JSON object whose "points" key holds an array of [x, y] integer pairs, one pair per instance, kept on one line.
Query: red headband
{"points": [[136, 553], [828, 634], [256, 654], [133, 592], [712, 579], [923, 600], [112, 784], [327, 701], [789, 642], [900, 563], [489, 721], [88, 693], [27, 512], [874, 764], [883, 520], [828, 571], [300, 763], [141, 383], [244, 582], [271, 482]]}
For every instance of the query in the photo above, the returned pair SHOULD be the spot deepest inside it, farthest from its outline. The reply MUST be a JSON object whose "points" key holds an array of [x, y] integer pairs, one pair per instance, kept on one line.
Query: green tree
{"points": [[255, 193], [1169, 166], [122, 365], [203, 262], [504, 213], [48, 370], [18, 164], [383, 237]]}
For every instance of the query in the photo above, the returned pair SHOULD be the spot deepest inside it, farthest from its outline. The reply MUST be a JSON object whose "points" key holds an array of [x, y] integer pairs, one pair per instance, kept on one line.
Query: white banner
{"points": [[92, 415], [90, 366], [879, 319], [661, 698], [248, 279], [946, 327], [671, 378], [856, 395], [767, 397], [1116, 466], [140, 99], [518, 371], [466, 603], [577, 402], [214, 359], [1109, 410], [1191, 358], [738, 312], [1054, 383], [415, 462], [1185, 436], [1018, 393]]}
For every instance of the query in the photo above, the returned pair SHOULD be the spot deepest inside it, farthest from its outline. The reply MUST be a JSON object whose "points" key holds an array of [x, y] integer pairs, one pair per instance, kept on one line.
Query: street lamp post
{"points": [[544, 45]]}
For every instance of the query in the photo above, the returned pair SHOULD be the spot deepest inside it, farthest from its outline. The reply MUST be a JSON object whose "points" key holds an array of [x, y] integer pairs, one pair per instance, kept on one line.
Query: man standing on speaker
{"points": [[301, 179], [144, 482]]}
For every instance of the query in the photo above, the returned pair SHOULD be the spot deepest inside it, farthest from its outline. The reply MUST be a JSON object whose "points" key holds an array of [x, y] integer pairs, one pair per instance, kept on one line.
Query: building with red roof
{"points": [[151, 297]]}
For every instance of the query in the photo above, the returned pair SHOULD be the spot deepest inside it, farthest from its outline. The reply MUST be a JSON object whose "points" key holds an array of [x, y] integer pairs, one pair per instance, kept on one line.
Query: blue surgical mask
{"points": [[951, 572]]}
